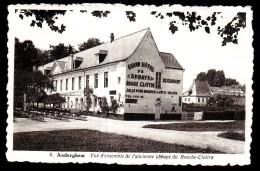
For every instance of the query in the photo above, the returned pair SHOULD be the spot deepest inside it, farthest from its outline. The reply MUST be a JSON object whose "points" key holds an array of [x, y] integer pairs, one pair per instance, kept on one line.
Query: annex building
{"points": [[144, 81], [200, 91]]}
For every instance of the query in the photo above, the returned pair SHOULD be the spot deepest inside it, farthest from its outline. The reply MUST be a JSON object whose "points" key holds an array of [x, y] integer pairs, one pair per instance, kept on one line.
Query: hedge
{"points": [[223, 115]]}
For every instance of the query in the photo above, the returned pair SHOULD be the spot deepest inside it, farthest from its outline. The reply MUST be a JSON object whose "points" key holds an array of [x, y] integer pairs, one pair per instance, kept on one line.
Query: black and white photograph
{"points": [[111, 83]]}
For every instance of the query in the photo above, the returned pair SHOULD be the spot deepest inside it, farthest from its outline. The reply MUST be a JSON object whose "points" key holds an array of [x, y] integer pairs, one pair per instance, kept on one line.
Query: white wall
{"points": [[148, 52]]}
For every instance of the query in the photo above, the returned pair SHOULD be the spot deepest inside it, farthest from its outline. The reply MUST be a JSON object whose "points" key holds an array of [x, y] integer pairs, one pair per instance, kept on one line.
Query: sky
{"points": [[196, 51]]}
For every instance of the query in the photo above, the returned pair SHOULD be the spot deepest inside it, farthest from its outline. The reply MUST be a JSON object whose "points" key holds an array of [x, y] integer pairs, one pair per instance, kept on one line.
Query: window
{"points": [[55, 85], [87, 80], [112, 92], [67, 83], [60, 85], [105, 79], [96, 81], [202, 99], [188, 99], [79, 82], [158, 80], [119, 80], [198, 99], [130, 100], [185, 99], [73, 81], [180, 100]]}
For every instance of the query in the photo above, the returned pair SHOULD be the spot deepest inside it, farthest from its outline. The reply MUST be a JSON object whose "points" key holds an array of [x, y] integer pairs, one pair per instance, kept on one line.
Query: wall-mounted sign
{"points": [[165, 80], [141, 64]]}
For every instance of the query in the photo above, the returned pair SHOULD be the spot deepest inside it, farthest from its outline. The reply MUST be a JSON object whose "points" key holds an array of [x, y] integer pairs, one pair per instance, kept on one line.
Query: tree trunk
{"points": [[24, 102]]}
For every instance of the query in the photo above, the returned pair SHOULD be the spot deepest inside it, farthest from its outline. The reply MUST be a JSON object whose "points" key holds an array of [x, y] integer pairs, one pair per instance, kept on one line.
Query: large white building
{"points": [[144, 81]]}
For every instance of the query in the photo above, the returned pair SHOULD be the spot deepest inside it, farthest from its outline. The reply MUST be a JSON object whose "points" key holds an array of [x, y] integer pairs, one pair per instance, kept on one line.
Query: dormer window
{"points": [[47, 71], [101, 55], [77, 62]]}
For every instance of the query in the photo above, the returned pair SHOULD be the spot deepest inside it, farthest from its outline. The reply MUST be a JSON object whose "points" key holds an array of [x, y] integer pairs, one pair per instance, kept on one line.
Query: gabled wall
{"points": [[169, 93]]}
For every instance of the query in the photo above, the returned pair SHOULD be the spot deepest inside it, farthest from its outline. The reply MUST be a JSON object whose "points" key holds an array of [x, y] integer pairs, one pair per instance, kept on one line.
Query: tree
{"points": [[219, 78], [114, 105], [210, 76], [25, 55], [60, 51], [87, 93], [104, 105], [30, 84], [54, 99], [92, 42], [230, 82], [193, 20], [201, 76], [220, 101]]}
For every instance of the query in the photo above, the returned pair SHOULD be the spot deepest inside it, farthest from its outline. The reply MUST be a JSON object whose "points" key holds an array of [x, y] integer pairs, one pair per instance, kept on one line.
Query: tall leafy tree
{"points": [[25, 55], [92, 42], [210, 76], [201, 76], [219, 78], [60, 51]]}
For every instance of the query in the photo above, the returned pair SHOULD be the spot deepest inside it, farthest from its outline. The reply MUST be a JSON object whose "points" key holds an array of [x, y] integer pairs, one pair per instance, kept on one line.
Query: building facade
{"points": [[130, 69], [200, 91]]}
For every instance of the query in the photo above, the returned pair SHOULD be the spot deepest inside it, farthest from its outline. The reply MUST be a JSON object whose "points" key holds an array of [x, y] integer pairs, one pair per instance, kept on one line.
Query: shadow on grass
{"points": [[95, 141]]}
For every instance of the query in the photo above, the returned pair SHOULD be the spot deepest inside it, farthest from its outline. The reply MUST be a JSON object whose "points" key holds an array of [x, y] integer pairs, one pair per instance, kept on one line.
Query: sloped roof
{"points": [[225, 89], [119, 49], [202, 88], [61, 64], [169, 60]]}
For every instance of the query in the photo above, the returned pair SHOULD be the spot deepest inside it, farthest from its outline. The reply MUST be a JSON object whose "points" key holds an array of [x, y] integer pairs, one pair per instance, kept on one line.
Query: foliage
{"points": [[130, 15], [100, 14], [60, 51], [87, 93], [114, 105], [216, 78], [25, 55], [220, 101], [41, 16], [104, 105], [92, 42], [31, 83], [194, 21], [54, 99]]}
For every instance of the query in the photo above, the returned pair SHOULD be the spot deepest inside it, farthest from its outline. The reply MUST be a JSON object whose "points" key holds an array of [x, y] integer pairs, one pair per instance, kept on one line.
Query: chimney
{"points": [[112, 37], [71, 61]]}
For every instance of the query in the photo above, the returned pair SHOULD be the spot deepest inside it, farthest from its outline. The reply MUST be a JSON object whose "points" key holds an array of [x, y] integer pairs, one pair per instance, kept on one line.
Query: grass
{"points": [[233, 135], [202, 126], [94, 141]]}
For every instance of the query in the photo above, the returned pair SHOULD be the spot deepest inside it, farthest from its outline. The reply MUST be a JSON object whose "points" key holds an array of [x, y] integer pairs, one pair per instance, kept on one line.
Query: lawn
{"points": [[94, 141], [233, 135], [202, 126]]}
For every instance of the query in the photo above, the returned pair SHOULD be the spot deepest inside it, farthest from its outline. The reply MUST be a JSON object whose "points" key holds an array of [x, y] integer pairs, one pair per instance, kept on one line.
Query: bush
{"points": [[223, 115]]}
